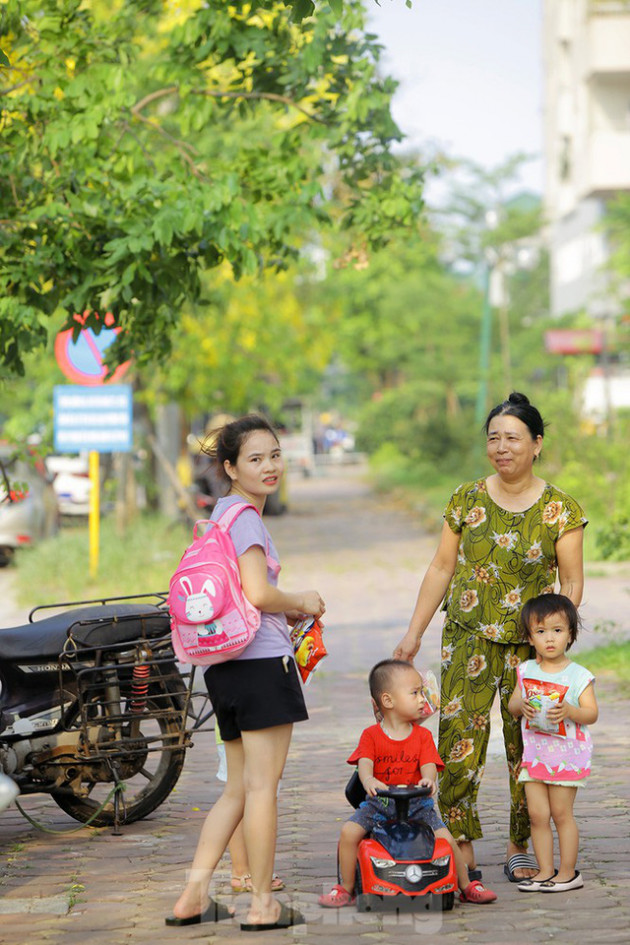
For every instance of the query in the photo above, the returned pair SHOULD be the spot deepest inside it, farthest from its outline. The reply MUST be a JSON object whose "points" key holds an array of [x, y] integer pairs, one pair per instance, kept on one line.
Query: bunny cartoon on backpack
{"points": [[199, 607]]}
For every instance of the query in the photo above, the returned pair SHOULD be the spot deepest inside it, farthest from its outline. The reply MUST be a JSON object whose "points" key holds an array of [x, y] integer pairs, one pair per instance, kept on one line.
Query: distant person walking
{"points": [[503, 540], [257, 696]]}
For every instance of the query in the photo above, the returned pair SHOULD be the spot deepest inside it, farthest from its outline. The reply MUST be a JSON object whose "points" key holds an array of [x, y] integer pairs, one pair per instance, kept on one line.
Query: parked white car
{"points": [[71, 482]]}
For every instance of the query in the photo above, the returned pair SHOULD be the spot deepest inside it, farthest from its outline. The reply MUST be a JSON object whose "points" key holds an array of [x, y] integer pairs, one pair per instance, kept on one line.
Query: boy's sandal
{"points": [[241, 884], [477, 892], [336, 898]]}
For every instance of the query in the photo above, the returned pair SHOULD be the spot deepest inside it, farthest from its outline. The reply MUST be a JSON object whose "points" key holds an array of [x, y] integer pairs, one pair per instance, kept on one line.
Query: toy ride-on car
{"points": [[402, 865]]}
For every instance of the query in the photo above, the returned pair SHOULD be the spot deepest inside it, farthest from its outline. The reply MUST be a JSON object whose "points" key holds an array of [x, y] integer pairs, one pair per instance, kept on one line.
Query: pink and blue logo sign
{"points": [[82, 361]]}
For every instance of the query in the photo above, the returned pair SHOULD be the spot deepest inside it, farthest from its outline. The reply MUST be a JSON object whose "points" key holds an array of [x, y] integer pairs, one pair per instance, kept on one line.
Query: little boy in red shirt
{"points": [[396, 751]]}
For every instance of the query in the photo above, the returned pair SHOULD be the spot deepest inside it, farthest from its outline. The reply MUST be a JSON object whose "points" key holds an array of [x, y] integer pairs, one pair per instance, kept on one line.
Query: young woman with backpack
{"points": [[257, 695]]}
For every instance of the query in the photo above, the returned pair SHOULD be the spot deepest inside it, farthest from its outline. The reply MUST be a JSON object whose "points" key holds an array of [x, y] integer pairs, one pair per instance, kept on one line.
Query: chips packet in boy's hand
{"points": [[308, 646], [431, 689]]}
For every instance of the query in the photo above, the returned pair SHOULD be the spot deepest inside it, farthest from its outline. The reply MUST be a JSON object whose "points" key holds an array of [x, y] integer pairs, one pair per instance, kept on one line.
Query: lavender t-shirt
{"points": [[272, 637]]}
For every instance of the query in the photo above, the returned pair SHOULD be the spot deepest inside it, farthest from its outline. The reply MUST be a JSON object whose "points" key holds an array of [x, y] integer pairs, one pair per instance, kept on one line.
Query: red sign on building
{"points": [[574, 341]]}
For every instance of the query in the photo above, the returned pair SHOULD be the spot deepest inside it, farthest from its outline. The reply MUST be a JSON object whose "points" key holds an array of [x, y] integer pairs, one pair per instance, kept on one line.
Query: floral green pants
{"points": [[473, 668]]}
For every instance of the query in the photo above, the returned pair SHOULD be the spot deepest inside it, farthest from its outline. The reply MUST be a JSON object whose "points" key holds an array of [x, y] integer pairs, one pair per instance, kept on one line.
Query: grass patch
{"points": [[417, 487], [139, 562], [611, 660]]}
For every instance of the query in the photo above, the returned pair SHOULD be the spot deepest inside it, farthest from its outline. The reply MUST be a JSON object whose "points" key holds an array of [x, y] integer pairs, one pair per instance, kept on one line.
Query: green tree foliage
{"points": [[617, 223], [407, 327], [266, 326], [482, 212], [143, 143]]}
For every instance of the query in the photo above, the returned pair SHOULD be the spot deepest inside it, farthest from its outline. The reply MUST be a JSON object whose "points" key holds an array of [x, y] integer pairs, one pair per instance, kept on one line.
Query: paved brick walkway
{"points": [[92, 887]]}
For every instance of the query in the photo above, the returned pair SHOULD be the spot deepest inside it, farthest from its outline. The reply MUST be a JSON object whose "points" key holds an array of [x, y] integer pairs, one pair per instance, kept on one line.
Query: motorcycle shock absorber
{"points": [[140, 682]]}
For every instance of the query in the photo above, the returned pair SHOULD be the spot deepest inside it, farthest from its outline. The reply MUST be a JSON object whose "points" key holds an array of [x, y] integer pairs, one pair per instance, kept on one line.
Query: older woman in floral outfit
{"points": [[503, 540]]}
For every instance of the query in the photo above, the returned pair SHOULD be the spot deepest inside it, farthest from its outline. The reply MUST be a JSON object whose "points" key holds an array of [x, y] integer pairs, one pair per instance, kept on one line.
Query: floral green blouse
{"points": [[505, 558]]}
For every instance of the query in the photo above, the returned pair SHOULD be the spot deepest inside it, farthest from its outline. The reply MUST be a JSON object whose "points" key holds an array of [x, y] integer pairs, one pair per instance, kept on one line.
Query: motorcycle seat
{"points": [[95, 626]]}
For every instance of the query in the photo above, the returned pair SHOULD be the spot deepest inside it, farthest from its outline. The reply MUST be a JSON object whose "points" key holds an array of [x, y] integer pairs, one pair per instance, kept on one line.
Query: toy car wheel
{"points": [[365, 901], [442, 902]]}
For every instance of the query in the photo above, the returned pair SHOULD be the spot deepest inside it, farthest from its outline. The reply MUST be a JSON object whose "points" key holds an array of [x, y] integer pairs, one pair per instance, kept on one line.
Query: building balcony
{"points": [[607, 167], [607, 47]]}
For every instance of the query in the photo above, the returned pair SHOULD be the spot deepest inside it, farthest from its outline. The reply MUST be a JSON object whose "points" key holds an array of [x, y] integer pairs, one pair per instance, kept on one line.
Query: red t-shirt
{"points": [[397, 762]]}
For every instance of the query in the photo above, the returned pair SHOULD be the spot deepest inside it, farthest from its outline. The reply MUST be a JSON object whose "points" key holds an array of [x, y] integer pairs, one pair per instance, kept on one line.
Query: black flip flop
{"points": [[285, 920], [215, 912], [519, 861]]}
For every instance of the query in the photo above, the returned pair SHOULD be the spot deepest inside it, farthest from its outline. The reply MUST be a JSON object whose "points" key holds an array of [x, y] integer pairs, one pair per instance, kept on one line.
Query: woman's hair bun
{"points": [[518, 405], [516, 398]]}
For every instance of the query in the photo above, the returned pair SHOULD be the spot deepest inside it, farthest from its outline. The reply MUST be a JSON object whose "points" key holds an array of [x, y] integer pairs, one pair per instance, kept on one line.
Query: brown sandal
{"points": [[241, 884]]}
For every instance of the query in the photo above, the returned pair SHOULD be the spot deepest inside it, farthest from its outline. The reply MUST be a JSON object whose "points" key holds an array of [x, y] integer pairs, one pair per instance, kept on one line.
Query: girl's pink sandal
{"points": [[336, 898], [477, 892]]}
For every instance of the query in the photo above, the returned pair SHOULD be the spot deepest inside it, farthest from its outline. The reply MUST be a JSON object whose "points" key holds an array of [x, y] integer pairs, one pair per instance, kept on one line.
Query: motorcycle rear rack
{"points": [[120, 681], [112, 695], [158, 598]]}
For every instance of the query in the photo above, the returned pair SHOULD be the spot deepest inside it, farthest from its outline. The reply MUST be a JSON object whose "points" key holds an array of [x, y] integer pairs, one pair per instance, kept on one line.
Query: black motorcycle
{"points": [[94, 708]]}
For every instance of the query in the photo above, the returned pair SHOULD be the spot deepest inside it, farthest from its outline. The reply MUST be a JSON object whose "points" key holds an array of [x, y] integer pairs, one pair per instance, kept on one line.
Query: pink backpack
{"points": [[211, 619]]}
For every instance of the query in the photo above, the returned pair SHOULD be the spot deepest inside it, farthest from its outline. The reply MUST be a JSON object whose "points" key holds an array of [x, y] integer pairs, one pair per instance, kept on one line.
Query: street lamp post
{"points": [[491, 221], [484, 347], [484, 360]]}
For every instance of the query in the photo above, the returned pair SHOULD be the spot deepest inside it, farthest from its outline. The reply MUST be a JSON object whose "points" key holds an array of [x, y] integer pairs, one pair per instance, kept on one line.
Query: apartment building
{"points": [[586, 52]]}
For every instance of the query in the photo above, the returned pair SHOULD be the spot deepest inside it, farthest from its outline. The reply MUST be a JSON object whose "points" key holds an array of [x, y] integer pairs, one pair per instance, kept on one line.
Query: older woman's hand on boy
{"points": [[408, 647]]}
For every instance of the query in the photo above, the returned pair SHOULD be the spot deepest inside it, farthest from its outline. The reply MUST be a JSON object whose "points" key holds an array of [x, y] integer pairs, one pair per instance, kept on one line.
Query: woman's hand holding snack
{"points": [[312, 603]]}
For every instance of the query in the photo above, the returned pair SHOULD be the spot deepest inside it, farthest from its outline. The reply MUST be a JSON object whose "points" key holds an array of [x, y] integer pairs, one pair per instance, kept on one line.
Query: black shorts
{"points": [[248, 695]]}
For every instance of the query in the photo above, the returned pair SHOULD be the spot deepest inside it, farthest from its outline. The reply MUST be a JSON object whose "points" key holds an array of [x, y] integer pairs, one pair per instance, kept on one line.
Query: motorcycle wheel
{"points": [[154, 774]]}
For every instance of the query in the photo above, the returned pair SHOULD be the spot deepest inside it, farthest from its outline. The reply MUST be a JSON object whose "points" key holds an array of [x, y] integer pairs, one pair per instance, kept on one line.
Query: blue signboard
{"points": [[93, 418]]}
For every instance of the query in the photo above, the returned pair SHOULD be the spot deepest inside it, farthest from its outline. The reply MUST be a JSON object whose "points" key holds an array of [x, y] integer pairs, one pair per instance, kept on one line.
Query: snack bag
{"points": [[431, 694], [308, 646], [542, 695]]}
